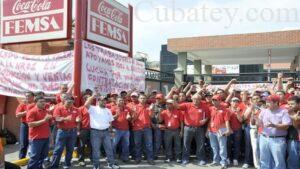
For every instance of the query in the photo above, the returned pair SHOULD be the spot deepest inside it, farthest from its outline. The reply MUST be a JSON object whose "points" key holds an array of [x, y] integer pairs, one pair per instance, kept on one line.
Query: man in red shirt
{"points": [[21, 112], [67, 117], [234, 140], [172, 120], [63, 89], [38, 120], [84, 134], [219, 129], [195, 116], [121, 115], [134, 101], [141, 126]]}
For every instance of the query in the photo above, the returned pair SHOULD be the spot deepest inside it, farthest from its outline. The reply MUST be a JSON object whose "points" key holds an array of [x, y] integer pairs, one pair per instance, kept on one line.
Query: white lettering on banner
{"points": [[30, 6], [110, 71], [20, 72]]}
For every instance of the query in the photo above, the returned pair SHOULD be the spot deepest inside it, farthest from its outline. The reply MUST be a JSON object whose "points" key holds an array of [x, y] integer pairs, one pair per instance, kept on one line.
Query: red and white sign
{"points": [[20, 72], [108, 23], [109, 71], [33, 20]]}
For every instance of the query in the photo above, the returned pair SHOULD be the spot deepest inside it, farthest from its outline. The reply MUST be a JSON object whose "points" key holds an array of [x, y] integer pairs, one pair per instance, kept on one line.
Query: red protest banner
{"points": [[34, 20]]}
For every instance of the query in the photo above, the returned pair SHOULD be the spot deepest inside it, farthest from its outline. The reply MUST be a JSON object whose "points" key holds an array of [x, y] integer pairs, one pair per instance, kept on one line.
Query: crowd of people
{"points": [[259, 128]]}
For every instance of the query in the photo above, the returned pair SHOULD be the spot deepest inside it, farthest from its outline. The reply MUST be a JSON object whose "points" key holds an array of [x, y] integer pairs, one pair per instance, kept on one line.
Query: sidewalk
{"points": [[11, 154]]}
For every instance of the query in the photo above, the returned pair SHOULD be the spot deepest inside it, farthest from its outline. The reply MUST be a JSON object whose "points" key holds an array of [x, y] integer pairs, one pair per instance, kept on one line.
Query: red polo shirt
{"points": [[142, 117], [235, 124], [171, 119], [131, 105], [218, 118], [85, 117], [42, 131], [24, 107], [61, 111], [121, 123], [192, 115]]}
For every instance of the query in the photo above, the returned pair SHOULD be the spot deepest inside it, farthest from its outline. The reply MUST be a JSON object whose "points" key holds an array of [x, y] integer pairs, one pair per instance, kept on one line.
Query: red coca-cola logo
{"points": [[24, 7], [110, 12]]}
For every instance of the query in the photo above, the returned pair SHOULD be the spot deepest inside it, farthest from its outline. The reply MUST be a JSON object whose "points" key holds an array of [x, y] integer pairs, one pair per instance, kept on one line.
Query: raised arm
{"points": [[279, 82], [170, 94], [70, 90], [89, 101], [229, 84], [187, 87]]}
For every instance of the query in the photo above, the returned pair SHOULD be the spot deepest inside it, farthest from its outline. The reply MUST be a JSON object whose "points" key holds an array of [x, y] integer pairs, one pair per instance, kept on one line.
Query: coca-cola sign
{"points": [[34, 20], [108, 23]]}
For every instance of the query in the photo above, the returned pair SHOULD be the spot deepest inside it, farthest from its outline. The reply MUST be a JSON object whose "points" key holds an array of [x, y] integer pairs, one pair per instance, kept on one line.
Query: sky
{"points": [[156, 21]]}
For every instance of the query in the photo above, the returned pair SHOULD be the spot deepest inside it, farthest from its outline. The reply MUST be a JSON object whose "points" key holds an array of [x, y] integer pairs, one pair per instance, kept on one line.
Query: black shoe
{"points": [[125, 161], [151, 162]]}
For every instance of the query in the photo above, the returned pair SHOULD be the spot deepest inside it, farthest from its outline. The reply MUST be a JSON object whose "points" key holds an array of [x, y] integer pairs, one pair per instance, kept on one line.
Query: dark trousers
{"points": [[145, 136], [197, 133], [9, 165], [84, 140], [39, 149], [23, 140], [248, 147], [64, 138], [169, 137], [234, 145]]}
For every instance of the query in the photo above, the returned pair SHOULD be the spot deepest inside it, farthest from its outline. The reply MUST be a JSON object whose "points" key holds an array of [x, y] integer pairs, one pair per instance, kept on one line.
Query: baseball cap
{"points": [[273, 98], [235, 99], [159, 96], [171, 101], [134, 94]]}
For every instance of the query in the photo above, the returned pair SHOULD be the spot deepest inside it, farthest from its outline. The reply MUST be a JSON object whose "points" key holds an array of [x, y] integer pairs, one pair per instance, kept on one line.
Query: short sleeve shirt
{"points": [[100, 118], [279, 116]]}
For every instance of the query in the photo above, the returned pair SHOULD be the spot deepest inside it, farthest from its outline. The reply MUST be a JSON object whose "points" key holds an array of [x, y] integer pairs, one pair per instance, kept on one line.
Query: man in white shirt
{"points": [[100, 122]]}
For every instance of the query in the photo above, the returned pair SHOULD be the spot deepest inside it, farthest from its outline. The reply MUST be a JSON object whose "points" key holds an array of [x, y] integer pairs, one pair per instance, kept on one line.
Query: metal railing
{"points": [[261, 77], [156, 75]]}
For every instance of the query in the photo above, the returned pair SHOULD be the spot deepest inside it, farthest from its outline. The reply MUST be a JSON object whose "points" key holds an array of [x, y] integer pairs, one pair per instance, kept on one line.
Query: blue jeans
{"points": [[64, 138], [146, 136], [293, 149], [99, 137], [234, 144], [38, 153], [248, 147], [23, 140], [219, 147], [157, 134], [273, 151], [123, 136]]}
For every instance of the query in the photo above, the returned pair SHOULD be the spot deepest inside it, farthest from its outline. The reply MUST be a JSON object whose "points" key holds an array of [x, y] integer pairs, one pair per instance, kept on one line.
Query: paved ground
{"points": [[11, 154]]}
